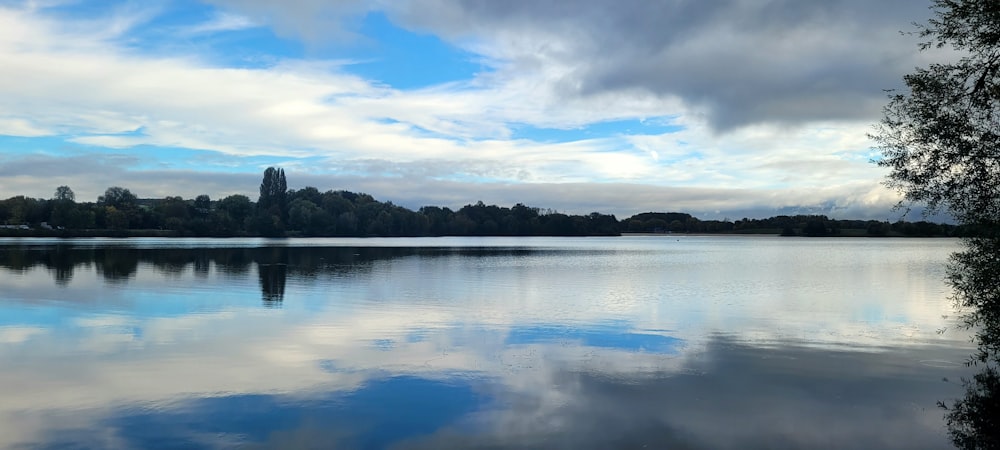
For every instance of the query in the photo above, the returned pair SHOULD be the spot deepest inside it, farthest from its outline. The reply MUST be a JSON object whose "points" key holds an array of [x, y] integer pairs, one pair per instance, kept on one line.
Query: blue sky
{"points": [[724, 109]]}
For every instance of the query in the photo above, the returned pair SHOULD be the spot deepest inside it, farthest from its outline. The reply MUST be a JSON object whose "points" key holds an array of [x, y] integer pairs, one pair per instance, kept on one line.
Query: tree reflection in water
{"points": [[119, 264], [272, 283], [974, 420], [272, 269]]}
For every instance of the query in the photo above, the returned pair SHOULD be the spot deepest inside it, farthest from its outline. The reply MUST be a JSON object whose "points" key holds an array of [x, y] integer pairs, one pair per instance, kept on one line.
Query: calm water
{"points": [[632, 342]]}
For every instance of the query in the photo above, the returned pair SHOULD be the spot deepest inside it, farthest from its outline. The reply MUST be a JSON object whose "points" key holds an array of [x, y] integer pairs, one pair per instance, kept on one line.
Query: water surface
{"points": [[662, 342]]}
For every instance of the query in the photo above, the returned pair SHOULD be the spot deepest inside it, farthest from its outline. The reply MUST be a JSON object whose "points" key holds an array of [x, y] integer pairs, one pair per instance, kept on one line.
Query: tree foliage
{"points": [[940, 139], [118, 197], [309, 212], [272, 205], [273, 189], [64, 193]]}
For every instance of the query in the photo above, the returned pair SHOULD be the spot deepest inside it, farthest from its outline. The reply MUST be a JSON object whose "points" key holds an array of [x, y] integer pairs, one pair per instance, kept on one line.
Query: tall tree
{"points": [[266, 185], [64, 207], [940, 140], [272, 205], [273, 190], [281, 193]]}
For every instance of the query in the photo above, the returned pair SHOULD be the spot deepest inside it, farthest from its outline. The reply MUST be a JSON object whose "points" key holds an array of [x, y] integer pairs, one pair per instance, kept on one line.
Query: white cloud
{"points": [[19, 334], [221, 22], [62, 79], [312, 20], [20, 127]]}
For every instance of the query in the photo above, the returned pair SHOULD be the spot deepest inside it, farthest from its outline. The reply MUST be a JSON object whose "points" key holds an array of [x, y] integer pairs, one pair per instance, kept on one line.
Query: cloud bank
{"points": [[723, 108]]}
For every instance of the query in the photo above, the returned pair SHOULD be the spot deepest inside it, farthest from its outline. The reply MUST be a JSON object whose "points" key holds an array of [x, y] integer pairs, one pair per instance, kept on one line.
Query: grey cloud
{"points": [[733, 396], [740, 62]]}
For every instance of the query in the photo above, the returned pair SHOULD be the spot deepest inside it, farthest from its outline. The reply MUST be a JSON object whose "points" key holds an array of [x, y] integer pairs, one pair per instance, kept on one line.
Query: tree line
{"points": [[794, 225], [308, 212], [279, 211]]}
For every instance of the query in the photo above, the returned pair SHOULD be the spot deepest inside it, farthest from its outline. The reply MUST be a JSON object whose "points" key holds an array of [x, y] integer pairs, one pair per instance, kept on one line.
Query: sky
{"points": [[722, 109]]}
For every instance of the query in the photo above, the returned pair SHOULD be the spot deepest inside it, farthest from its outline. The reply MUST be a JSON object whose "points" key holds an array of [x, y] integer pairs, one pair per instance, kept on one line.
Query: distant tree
{"points": [[815, 227], [307, 193], [437, 219], [603, 224], [203, 203], [25, 210], [237, 207], [64, 208], [273, 190], [306, 217], [115, 218], [876, 228], [347, 224], [173, 213], [118, 197], [335, 204], [64, 193], [272, 205], [656, 225]]}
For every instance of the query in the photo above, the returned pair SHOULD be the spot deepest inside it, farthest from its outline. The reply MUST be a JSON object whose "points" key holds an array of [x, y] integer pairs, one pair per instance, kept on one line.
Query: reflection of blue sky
{"points": [[370, 349], [134, 300], [603, 336], [44, 316], [381, 412], [736, 396]]}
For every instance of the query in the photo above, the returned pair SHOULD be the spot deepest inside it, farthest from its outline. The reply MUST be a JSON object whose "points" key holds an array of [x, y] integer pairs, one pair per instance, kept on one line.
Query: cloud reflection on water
{"points": [[732, 395], [473, 347]]}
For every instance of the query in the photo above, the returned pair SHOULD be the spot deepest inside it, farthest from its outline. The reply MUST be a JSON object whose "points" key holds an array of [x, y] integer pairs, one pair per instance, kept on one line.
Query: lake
{"points": [[666, 341]]}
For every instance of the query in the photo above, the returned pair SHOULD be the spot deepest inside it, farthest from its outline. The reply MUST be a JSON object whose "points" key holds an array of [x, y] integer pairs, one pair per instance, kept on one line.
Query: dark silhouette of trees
{"points": [[272, 271], [311, 212], [233, 214], [64, 193], [940, 139], [203, 204], [119, 209], [273, 190], [816, 227], [974, 420], [118, 197], [64, 209], [173, 213], [23, 210], [272, 205]]}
